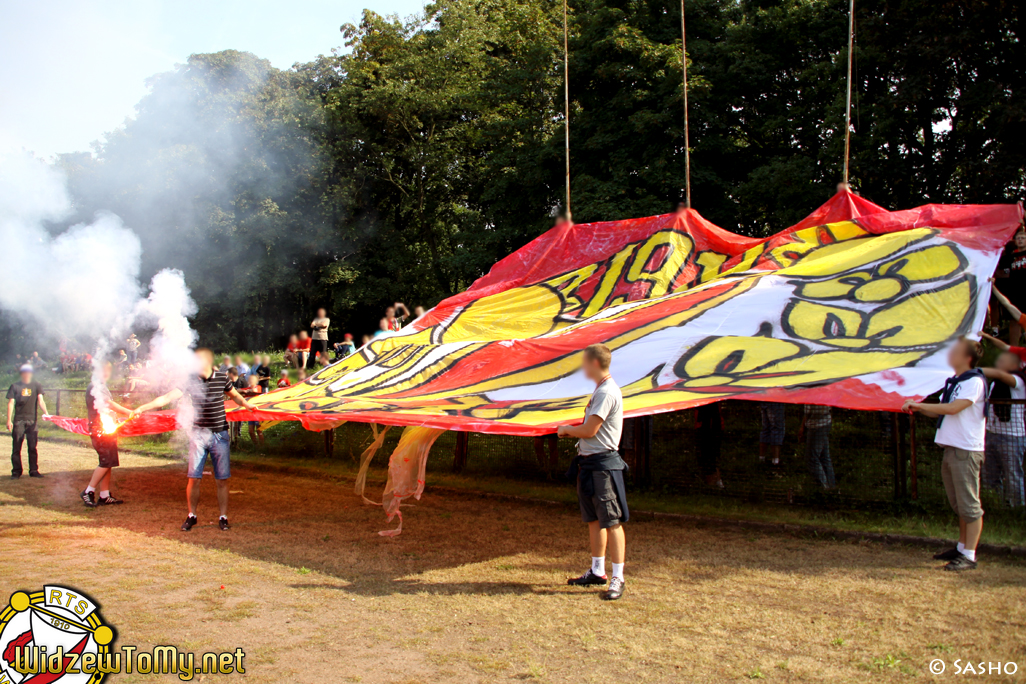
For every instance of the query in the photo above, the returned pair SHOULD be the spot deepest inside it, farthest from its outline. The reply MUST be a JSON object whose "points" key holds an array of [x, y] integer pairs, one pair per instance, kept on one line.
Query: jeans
{"points": [[24, 432], [1002, 468], [817, 455], [216, 445]]}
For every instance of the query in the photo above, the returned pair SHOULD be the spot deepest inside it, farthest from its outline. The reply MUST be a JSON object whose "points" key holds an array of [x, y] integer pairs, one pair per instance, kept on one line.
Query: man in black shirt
{"points": [[23, 398], [209, 433], [100, 404]]}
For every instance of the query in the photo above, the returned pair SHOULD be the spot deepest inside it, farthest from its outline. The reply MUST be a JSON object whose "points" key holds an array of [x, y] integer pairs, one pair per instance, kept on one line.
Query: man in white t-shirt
{"points": [[961, 428], [599, 472], [1006, 431]]}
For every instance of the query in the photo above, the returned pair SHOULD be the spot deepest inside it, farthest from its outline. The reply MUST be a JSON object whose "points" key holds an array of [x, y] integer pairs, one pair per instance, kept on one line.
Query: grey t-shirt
{"points": [[607, 404]]}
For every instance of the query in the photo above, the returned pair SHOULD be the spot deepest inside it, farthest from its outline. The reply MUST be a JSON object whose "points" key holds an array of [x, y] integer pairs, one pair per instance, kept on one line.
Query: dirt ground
{"points": [[474, 589]]}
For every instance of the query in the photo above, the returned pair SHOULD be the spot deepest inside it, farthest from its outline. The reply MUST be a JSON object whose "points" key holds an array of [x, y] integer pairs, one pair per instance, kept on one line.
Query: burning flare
{"points": [[108, 424]]}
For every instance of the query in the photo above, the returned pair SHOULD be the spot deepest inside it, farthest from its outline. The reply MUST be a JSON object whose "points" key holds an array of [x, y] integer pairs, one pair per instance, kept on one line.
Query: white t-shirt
{"points": [[607, 404], [320, 332], [965, 429], [1014, 425]]}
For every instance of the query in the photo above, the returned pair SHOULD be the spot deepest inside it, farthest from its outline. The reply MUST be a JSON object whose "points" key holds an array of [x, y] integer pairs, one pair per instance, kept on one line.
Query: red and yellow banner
{"points": [[852, 307]]}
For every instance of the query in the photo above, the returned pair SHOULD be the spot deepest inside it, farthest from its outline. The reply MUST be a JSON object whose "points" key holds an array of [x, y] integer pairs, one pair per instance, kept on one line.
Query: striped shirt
{"points": [[207, 396]]}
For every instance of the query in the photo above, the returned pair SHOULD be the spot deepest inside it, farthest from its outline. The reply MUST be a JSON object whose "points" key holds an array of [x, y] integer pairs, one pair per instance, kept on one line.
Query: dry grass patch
{"points": [[474, 590]]}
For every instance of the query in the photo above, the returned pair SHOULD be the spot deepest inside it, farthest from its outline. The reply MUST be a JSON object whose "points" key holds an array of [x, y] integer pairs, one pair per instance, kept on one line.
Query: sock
{"points": [[598, 565], [969, 553], [90, 489], [618, 570], [104, 494], [191, 514], [961, 547], [223, 517]]}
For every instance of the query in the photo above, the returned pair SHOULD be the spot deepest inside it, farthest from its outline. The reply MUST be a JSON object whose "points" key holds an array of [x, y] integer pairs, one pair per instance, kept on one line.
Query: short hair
{"points": [[600, 354], [973, 349]]}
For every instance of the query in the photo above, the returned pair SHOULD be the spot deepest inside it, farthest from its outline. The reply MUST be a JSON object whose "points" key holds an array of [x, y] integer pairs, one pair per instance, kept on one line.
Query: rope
{"points": [[566, 105], [687, 147], [847, 109]]}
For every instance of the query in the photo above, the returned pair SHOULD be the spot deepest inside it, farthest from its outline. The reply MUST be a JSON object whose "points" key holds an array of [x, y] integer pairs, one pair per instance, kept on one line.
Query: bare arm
{"points": [[995, 374], [10, 414], [1000, 344], [240, 400], [42, 405], [585, 430], [400, 305], [1005, 302], [119, 409], [162, 400], [949, 409]]}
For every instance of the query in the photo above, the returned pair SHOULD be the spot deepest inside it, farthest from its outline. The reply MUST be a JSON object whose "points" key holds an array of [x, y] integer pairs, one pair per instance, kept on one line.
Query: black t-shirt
{"points": [[93, 406], [1014, 287], [207, 396], [264, 373], [26, 400]]}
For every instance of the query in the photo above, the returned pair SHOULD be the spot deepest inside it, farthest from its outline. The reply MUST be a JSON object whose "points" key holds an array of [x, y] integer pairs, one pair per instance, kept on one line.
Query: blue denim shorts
{"points": [[217, 445]]}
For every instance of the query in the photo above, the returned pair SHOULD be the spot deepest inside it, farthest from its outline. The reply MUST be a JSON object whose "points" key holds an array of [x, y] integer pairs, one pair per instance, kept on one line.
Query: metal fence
{"points": [[877, 457]]}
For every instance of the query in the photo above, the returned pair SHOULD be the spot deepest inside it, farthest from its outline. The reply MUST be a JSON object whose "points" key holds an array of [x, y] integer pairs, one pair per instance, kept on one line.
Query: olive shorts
{"points": [[960, 471]]}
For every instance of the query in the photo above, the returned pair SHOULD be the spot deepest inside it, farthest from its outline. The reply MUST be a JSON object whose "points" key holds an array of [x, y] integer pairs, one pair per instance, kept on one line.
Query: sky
{"points": [[74, 69]]}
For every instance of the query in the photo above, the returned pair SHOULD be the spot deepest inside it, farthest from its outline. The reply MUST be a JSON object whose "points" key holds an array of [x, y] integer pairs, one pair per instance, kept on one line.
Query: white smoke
{"points": [[84, 282]]}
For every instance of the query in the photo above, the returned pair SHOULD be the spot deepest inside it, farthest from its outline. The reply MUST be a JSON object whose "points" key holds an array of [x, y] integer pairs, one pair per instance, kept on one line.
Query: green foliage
{"points": [[403, 167]]}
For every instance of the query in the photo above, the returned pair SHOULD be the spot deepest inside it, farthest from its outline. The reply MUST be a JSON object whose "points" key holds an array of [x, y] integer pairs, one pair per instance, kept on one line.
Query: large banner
{"points": [[852, 307]]}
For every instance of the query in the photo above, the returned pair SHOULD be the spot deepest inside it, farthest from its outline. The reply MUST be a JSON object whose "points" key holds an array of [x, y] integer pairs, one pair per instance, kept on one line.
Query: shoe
{"points": [[15, 477], [35, 474], [588, 579], [949, 555], [189, 523], [615, 590], [88, 498], [223, 524], [960, 564], [109, 501]]}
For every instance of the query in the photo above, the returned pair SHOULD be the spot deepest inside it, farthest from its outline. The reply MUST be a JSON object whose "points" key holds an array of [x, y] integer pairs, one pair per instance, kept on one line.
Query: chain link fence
{"points": [[724, 450]]}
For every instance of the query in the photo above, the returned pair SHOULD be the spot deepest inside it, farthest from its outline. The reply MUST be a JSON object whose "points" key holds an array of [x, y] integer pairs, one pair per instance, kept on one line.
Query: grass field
{"points": [[474, 590]]}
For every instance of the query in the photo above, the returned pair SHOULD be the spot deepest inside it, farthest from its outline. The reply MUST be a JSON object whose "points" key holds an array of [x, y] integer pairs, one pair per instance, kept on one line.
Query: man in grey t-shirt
{"points": [[600, 488]]}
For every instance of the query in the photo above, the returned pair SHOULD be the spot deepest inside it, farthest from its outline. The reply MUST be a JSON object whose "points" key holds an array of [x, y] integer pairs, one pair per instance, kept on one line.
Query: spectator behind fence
{"points": [[552, 442], [300, 375], [239, 383], [771, 437], [303, 348], [709, 436], [243, 369], [366, 340], [226, 363], [345, 347], [283, 379], [396, 315], [263, 373], [1006, 431], [1012, 270], [383, 327], [132, 347], [816, 423], [291, 355], [961, 431], [598, 470], [319, 326], [1014, 312], [418, 311], [24, 397]]}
